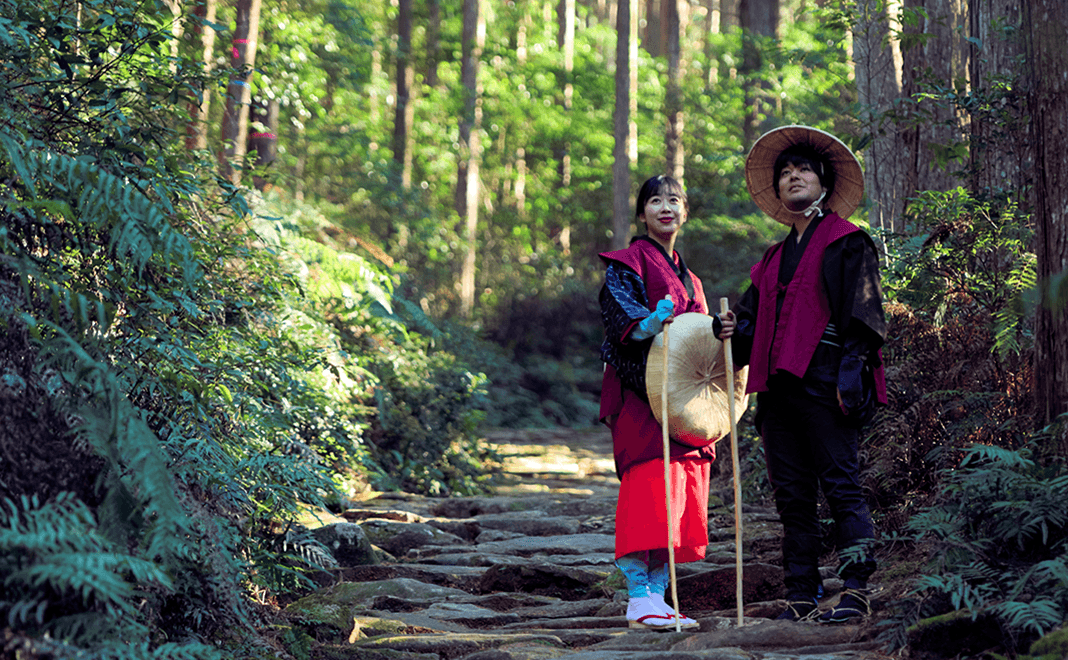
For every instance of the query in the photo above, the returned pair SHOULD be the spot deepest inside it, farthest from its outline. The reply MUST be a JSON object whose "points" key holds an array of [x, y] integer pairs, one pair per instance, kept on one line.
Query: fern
{"points": [[1039, 616], [1000, 533], [64, 578]]}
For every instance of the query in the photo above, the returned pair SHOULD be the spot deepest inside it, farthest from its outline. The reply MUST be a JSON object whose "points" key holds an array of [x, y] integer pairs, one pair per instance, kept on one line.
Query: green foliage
{"points": [[967, 252], [959, 287], [163, 341], [67, 580], [998, 541], [420, 402]]}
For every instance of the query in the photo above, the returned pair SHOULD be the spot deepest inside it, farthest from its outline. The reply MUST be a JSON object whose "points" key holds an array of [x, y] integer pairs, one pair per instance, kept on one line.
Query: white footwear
{"points": [[643, 613], [685, 622]]}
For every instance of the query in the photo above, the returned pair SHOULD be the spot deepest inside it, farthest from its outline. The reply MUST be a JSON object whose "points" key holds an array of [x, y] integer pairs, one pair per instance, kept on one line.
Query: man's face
{"points": [[799, 186]]}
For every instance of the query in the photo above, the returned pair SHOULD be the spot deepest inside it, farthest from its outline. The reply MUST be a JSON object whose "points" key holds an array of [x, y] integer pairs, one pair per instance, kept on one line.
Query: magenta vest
{"points": [[636, 435], [788, 345], [648, 262]]}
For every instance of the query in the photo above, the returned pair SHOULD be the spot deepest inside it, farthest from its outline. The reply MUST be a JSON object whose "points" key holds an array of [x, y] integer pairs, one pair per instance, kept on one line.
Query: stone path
{"points": [[527, 574]]}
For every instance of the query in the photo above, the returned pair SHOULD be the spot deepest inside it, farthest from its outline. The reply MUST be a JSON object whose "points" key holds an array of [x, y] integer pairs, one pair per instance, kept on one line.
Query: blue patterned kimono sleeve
{"points": [[623, 301]]}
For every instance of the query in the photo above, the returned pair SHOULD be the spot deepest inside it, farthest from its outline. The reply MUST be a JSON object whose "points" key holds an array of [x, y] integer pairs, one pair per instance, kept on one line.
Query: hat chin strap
{"points": [[815, 206]]}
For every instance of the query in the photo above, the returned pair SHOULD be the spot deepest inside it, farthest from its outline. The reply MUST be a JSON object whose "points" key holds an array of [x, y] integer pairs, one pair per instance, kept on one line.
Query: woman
{"points": [[634, 310]]}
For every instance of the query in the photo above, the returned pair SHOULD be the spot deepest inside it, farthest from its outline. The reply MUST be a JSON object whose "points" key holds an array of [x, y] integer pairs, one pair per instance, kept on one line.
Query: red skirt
{"points": [[641, 512]]}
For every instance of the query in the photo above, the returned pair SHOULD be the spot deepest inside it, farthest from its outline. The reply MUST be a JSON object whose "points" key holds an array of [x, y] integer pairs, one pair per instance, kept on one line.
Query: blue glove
{"points": [[653, 323]]}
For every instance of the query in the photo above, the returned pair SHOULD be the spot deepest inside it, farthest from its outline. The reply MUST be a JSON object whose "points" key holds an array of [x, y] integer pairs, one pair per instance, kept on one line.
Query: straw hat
{"points": [[760, 170], [698, 411]]}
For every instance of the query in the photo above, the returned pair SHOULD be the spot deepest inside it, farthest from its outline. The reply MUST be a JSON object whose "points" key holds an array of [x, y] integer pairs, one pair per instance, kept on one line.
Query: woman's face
{"points": [[799, 186], [664, 214]]}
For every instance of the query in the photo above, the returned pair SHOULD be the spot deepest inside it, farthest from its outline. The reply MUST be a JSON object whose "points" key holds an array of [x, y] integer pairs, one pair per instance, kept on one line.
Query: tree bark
{"points": [[197, 129], [263, 138], [1002, 153], [757, 18], [467, 179], [403, 112], [632, 124], [620, 229], [653, 35], [673, 148], [1045, 28], [433, 42], [729, 15], [566, 39], [934, 64], [877, 66], [713, 19], [238, 92]]}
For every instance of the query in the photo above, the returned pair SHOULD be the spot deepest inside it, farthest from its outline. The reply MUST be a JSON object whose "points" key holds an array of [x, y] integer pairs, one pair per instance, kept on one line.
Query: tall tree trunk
{"points": [[467, 179], [713, 18], [433, 42], [729, 12], [1045, 28], [197, 130], [263, 138], [632, 124], [403, 115], [521, 152], [673, 149], [653, 36], [877, 67], [937, 59], [238, 92], [566, 39], [621, 121], [177, 31], [757, 18], [1002, 153]]}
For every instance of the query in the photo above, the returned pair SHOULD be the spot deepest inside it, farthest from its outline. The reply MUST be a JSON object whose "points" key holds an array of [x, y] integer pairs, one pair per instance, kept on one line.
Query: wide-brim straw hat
{"points": [[697, 401], [760, 170]]}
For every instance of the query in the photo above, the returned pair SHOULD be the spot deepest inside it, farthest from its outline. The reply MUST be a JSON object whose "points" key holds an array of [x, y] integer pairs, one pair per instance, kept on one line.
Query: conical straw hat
{"points": [[760, 170], [698, 412]]}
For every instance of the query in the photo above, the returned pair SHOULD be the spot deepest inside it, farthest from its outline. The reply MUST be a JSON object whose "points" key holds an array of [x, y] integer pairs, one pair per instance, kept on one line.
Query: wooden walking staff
{"points": [[728, 361], [667, 481]]}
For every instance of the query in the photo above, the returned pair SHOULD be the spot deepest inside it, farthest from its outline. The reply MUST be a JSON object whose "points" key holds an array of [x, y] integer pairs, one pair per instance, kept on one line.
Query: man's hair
{"points": [[659, 185], [804, 154]]}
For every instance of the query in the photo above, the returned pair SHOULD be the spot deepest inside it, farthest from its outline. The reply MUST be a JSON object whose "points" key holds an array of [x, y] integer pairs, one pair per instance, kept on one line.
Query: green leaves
{"points": [[971, 252], [1001, 539], [62, 569]]}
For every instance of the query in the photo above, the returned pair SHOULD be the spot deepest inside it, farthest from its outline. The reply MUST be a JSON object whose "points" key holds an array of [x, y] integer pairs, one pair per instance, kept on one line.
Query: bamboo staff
{"points": [[728, 360], [667, 481]]}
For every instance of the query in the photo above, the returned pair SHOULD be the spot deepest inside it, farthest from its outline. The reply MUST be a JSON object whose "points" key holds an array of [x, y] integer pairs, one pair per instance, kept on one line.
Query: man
{"points": [[810, 327]]}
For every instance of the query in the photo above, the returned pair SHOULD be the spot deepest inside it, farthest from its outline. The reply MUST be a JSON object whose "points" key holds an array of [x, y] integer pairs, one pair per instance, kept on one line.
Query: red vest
{"points": [[636, 435], [648, 262]]}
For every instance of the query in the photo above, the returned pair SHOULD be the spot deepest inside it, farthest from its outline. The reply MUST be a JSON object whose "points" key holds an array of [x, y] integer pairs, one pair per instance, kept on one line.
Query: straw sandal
{"points": [[799, 610], [853, 604], [644, 614], [685, 622]]}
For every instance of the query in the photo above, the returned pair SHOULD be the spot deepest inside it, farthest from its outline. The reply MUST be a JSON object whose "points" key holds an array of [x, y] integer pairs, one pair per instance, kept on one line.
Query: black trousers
{"points": [[807, 446]]}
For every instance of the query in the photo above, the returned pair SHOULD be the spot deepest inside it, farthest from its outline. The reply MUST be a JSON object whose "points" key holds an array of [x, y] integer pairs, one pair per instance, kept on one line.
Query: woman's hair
{"points": [[804, 154], [659, 185]]}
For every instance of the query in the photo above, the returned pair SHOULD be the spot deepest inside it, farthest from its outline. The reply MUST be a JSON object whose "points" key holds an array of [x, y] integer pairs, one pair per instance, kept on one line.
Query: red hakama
{"points": [[641, 512]]}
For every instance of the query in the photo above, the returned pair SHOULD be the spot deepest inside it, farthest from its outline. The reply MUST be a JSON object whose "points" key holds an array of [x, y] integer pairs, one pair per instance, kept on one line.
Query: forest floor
{"points": [[527, 573]]}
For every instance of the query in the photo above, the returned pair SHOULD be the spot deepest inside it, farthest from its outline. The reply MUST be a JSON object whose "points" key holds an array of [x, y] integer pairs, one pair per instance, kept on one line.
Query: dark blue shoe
{"points": [[799, 610], [852, 605]]}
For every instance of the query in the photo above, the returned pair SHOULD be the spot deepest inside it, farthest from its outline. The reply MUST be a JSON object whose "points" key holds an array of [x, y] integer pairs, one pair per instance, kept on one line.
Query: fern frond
{"points": [[138, 229], [1039, 615]]}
